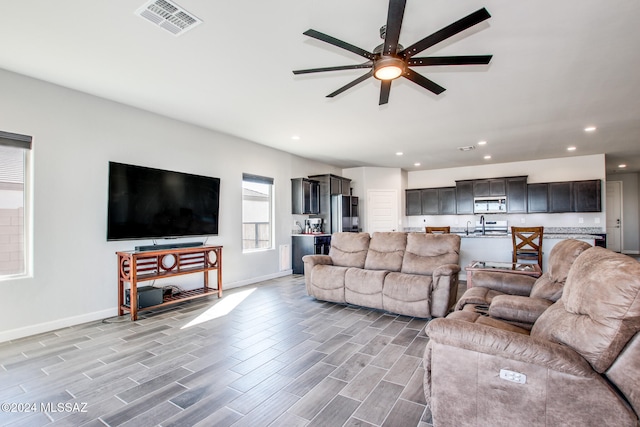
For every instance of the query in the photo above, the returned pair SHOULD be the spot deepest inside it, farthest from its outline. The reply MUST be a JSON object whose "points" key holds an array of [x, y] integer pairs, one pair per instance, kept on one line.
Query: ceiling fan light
{"points": [[388, 68]]}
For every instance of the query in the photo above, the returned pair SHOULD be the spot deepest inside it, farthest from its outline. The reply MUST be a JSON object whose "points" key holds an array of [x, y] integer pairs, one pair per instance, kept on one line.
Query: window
{"points": [[257, 212], [14, 149]]}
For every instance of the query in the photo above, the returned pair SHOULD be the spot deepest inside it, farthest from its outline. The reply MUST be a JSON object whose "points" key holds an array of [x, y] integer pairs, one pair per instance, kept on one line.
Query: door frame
{"points": [[620, 204]]}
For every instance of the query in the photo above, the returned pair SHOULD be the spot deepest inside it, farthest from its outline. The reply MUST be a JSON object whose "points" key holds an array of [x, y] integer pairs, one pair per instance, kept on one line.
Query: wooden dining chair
{"points": [[527, 244], [443, 230]]}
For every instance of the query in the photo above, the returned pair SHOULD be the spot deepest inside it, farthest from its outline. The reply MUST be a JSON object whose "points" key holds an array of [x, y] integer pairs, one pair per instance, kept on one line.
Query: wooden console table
{"points": [[532, 270], [139, 266]]}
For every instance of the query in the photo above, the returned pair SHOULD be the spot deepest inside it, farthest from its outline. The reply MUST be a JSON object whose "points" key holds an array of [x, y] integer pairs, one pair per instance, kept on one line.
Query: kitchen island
{"points": [[492, 247], [499, 246]]}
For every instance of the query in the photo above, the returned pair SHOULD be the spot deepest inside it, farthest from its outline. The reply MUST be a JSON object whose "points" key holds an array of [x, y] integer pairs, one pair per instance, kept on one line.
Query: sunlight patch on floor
{"points": [[221, 308]]}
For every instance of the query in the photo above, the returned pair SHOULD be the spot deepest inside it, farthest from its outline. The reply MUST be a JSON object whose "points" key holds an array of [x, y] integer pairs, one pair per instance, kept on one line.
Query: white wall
{"points": [[74, 137], [547, 170], [364, 179], [630, 211]]}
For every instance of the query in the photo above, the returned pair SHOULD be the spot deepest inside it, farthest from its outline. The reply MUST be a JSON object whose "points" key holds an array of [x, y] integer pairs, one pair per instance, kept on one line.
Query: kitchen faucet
{"points": [[468, 223], [482, 223]]}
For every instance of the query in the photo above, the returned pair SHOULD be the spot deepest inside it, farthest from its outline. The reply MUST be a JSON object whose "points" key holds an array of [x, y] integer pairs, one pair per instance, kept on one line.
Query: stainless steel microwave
{"points": [[483, 205]]}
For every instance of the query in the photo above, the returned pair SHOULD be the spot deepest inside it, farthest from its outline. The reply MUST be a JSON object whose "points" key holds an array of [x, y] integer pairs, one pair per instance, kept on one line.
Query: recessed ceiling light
{"points": [[399, 153], [572, 148], [590, 129], [622, 166], [487, 157], [416, 164], [482, 142], [295, 137]]}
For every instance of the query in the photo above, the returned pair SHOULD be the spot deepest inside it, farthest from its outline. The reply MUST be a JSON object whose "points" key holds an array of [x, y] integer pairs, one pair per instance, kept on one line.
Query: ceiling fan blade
{"points": [[450, 60], [337, 68], [384, 91], [421, 80], [339, 43], [394, 23], [448, 31], [350, 85]]}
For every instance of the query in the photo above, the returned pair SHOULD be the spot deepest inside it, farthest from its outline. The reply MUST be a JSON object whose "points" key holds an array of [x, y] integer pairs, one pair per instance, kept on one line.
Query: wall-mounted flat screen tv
{"points": [[146, 203]]}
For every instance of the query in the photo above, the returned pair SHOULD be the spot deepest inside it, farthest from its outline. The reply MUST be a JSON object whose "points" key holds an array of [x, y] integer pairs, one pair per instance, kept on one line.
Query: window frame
{"points": [[250, 178], [23, 142]]}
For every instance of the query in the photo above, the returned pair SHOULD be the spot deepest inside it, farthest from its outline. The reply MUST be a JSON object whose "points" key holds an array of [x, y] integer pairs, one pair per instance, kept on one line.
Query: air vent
{"points": [[169, 16], [467, 148]]}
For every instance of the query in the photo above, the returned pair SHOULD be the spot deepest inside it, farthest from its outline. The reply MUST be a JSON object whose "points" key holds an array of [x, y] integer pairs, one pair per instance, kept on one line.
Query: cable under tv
{"points": [[168, 246]]}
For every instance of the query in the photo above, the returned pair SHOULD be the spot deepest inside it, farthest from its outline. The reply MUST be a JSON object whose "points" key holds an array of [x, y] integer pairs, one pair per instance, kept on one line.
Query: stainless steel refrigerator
{"points": [[344, 213]]}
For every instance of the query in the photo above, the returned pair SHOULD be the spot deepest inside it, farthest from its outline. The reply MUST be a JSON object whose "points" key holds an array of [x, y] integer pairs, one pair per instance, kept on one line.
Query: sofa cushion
{"points": [[425, 252], [386, 250], [327, 282], [599, 310], [561, 258], [477, 296], [408, 294], [364, 287], [349, 249]]}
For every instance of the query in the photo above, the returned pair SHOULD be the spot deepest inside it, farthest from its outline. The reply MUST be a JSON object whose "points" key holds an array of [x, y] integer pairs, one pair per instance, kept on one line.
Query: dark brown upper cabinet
{"points": [[305, 196], [489, 187], [516, 194]]}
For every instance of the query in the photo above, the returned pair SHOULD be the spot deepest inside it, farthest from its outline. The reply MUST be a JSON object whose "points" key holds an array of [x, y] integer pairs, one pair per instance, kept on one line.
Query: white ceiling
{"points": [[558, 66]]}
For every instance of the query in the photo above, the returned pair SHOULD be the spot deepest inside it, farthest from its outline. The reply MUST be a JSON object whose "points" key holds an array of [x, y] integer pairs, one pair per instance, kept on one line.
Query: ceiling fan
{"points": [[391, 60]]}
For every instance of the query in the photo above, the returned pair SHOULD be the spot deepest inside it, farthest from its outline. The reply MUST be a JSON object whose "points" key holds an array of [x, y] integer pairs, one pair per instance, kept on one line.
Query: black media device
{"points": [[146, 203], [147, 296]]}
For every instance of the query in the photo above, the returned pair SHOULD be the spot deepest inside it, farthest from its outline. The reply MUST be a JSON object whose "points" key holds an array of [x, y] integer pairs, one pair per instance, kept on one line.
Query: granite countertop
{"points": [[311, 234], [549, 233]]}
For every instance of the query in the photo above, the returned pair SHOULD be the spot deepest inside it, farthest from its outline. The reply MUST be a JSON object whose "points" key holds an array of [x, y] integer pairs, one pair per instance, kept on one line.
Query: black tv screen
{"points": [[146, 203]]}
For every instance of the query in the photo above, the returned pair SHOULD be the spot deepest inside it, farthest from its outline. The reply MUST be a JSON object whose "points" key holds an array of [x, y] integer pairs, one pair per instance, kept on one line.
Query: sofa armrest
{"points": [[504, 282], [508, 345], [444, 289], [519, 309], [309, 262]]}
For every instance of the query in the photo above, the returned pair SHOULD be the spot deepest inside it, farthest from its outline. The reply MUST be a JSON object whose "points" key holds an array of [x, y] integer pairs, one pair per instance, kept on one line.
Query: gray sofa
{"points": [[413, 274]]}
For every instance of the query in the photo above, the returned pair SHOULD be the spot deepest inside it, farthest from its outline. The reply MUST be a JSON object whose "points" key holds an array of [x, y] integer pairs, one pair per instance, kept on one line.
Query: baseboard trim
{"points": [[41, 328], [631, 252], [253, 280]]}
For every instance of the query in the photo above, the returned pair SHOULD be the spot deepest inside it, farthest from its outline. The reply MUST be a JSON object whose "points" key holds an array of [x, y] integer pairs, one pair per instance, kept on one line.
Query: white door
{"points": [[614, 215], [382, 210]]}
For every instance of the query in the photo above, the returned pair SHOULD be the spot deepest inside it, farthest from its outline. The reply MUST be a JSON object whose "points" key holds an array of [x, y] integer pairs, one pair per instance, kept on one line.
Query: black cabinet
{"points": [[516, 194], [431, 201], [560, 197], [305, 196], [538, 198], [413, 202], [489, 187], [447, 201], [340, 185], [586, 196], [307, 245], [464, 197]]}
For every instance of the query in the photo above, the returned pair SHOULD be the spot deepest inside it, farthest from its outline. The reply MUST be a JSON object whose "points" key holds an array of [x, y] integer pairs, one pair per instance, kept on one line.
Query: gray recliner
{"points": [[578, 366]]}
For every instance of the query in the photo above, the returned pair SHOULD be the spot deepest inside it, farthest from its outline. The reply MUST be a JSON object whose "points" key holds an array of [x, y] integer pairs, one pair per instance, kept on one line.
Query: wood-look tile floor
{"points": [[263, 355]]}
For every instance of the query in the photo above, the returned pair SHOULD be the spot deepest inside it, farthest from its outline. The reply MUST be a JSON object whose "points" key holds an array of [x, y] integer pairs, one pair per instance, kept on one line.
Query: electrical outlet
{"points": [[597, 220], [522, 221], [580, 220], [513, 376]]}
